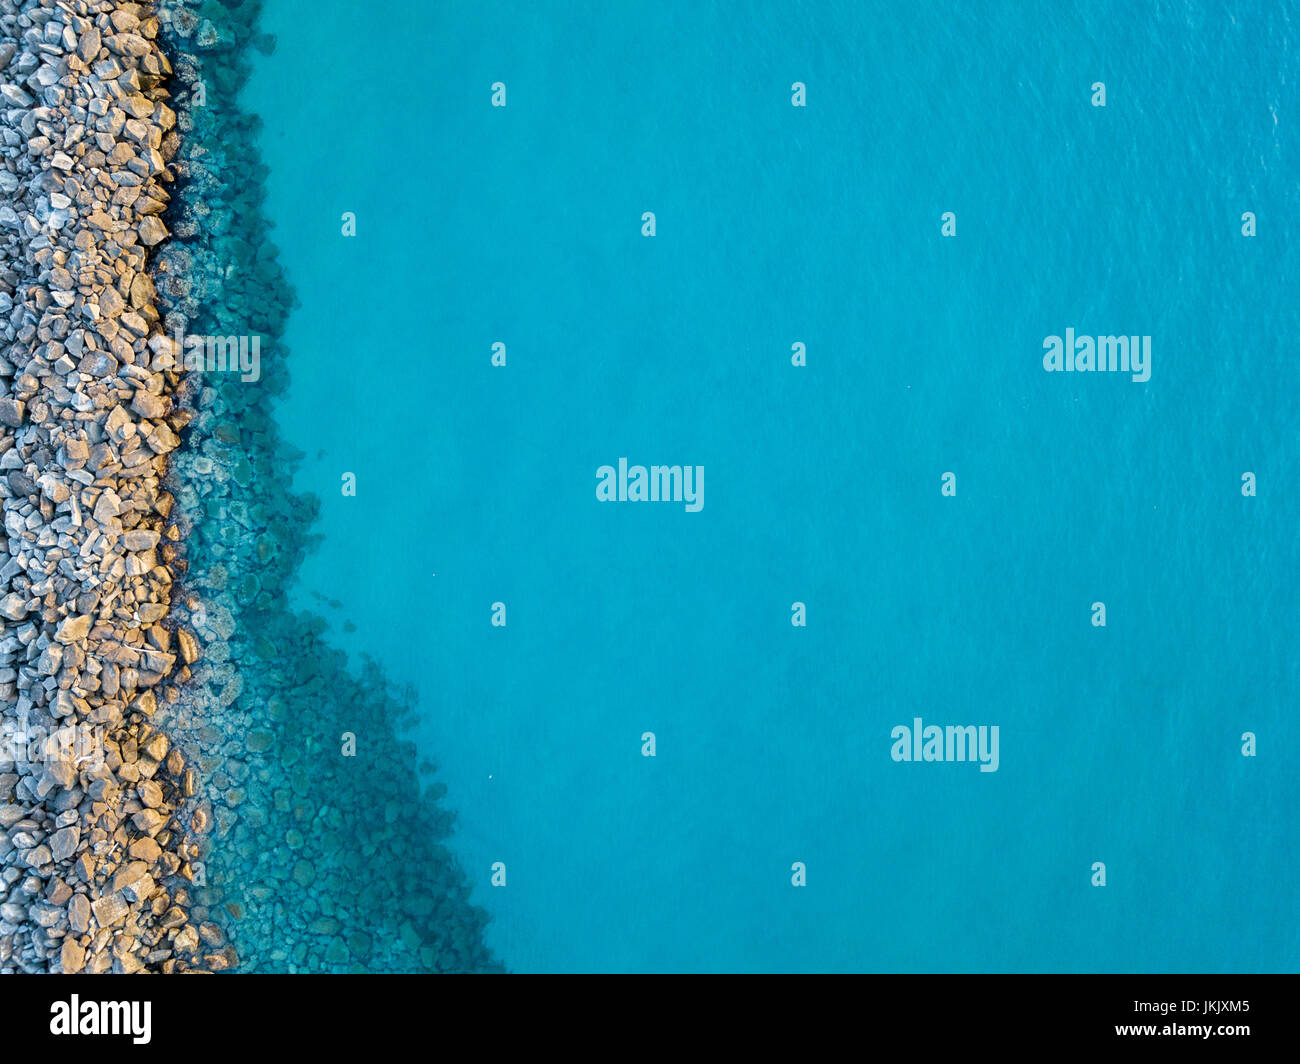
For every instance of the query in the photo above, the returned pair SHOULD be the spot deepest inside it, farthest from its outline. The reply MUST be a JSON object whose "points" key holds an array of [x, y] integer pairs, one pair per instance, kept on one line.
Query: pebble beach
{"points": [[178, 792]]}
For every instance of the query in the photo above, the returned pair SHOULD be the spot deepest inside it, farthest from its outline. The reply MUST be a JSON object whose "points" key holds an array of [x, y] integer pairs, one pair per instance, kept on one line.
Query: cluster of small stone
{"points": [[96, 842]]}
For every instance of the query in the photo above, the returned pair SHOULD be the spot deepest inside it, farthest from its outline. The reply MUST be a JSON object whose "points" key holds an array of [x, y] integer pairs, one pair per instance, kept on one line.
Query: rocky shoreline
{"points": [[143, 607], [95, 865]]}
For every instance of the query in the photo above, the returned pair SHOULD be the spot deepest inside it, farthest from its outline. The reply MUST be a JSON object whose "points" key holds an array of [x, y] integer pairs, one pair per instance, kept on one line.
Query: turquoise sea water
{"points": [[818, 225]]}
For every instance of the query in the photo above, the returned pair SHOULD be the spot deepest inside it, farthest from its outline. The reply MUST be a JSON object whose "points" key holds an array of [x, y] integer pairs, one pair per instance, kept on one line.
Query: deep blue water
{"points": [[819, 225]]}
